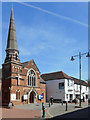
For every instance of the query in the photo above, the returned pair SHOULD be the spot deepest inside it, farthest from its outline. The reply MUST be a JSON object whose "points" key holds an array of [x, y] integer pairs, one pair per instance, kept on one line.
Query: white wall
{"points": [[52, 88], [69, 89], [84, 91]]}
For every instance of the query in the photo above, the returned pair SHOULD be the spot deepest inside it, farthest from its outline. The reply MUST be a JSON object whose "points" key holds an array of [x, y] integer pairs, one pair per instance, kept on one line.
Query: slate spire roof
{"points": [[12, 40]]}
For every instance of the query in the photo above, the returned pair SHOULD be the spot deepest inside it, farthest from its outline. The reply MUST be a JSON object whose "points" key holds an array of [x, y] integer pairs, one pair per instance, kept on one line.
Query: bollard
{"points": [[62, 102], [49, 104], [42, 105], [66, 105], [43, 111]]}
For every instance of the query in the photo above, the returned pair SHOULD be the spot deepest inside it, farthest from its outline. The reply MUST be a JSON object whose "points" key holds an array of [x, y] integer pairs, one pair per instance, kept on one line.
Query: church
{"points": [[21, 82]]}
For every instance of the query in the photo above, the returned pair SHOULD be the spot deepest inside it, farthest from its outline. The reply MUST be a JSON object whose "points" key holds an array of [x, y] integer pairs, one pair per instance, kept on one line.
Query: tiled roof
{"points": [[77, 81], [55, 75], [26, 63], [61, 75], [42, 81]]}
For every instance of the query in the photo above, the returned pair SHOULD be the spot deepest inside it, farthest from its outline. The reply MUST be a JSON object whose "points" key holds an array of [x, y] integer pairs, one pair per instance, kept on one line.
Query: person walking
{"points": [[51, 99], [75, 101]]}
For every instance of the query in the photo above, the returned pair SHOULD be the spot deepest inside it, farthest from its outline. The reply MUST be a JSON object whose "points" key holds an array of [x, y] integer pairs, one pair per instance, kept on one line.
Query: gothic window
{"points": [[34, 81], [31, 78], [18, 94], [28, 80]]}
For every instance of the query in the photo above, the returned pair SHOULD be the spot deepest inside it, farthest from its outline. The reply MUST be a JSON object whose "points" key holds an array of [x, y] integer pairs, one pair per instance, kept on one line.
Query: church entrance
{"points": [[32, 97]]}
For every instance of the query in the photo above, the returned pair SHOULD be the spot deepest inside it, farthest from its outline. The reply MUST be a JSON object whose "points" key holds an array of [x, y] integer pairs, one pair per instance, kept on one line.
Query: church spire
{"points": [[12, 53], [12, 40]]}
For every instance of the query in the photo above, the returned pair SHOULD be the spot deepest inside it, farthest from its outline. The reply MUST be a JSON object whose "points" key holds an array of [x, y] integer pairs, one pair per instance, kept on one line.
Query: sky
{"points": [[50, 33]]}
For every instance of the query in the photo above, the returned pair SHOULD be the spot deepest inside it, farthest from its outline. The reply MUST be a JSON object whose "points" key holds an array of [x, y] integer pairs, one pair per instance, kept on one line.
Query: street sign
{"points": [[41, 96]]}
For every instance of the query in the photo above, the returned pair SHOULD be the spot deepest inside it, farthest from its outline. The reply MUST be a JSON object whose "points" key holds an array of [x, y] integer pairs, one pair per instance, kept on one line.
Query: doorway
{"points": [[32, 97], [71, 96]]}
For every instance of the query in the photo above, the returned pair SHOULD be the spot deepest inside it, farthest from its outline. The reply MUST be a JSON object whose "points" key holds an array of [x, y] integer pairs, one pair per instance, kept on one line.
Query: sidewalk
{"points": [[59, 109], [35, 110], [22, 111]]}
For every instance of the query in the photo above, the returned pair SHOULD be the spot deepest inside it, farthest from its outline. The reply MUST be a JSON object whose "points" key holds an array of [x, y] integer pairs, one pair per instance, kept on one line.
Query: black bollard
{"points": [[66, 105], [62, 102], [49, 104], [43, 111], [42, 105]]}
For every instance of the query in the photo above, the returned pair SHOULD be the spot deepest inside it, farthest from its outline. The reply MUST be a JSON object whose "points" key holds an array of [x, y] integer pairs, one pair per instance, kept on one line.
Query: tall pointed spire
{"points": [[12, 40], [12, 53]]}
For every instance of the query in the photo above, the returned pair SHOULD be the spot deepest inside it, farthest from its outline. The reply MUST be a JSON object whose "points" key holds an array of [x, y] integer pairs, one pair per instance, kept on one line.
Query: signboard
{"points": [[40, 97], [25, 97], [13, 96]]}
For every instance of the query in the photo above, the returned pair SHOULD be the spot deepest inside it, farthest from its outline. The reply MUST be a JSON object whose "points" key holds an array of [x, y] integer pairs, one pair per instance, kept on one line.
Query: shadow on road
{"points": [[82, 114]]}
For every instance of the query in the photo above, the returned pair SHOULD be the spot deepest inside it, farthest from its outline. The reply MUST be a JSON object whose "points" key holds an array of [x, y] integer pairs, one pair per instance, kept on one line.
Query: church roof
{"points": [[12, 40], [26, 63], [61, 75]]}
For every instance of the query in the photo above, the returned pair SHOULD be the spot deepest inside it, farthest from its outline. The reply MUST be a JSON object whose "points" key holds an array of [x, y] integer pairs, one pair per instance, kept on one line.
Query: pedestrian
{"points": [[10, 104], [51, 99], [75, 101]]}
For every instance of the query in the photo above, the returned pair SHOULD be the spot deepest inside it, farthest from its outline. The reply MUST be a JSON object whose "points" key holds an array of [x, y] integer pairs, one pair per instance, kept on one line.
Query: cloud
{"points": [[55, 14]]}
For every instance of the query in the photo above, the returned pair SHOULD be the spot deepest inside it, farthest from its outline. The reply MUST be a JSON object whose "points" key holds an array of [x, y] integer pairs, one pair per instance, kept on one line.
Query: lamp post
{"points": [[72, 58]]}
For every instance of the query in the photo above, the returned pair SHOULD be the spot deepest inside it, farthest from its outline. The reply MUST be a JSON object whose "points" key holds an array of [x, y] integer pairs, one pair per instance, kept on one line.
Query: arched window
{"points": [[18, 94], [31, 78]]}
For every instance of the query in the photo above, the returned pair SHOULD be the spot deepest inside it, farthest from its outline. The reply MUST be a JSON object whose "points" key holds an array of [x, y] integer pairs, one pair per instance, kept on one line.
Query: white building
{"points": [[61, 86]]}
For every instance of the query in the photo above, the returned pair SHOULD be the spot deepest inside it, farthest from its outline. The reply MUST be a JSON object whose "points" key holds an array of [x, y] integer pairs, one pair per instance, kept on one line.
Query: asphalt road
{"points": [[78, 114]]}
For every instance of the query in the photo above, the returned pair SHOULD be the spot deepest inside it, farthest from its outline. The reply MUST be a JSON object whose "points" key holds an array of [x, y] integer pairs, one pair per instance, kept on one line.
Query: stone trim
{"points": [[25, 86]]}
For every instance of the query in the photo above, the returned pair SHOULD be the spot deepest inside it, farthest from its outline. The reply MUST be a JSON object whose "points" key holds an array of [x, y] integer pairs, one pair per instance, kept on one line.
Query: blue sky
{"points": [[50, 33]]}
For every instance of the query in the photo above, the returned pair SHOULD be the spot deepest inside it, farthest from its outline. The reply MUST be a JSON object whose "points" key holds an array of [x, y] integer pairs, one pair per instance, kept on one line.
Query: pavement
{"points": [[58, 109], [23, 111], [35, 111]]}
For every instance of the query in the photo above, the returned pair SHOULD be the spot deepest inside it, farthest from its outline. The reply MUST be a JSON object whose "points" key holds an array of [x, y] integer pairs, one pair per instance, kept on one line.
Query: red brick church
{"points": [[21, 82]]}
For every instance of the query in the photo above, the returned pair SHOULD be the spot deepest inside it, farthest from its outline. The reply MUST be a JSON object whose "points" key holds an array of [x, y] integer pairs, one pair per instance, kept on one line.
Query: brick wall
{"points": [[10, 71]]}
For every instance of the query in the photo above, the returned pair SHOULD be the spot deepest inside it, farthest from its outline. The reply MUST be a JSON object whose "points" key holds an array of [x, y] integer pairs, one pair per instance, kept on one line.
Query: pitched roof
{"points": [[77, 81], [61, 75], [12, 40], [55, 75], [42, 81], [26, 63]]}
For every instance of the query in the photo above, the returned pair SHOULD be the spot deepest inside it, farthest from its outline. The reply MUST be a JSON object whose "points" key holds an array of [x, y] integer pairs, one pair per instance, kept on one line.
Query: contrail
{"points": [[55, 14]]}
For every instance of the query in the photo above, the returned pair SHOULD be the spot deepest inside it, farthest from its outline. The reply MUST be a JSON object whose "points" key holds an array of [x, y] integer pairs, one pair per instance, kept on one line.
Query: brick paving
{"points": [[21, 112], [59, 109], [35, 110]]}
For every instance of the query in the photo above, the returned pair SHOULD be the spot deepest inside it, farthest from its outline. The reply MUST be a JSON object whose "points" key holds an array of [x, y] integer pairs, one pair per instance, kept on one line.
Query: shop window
{"points": [[61, 85]]}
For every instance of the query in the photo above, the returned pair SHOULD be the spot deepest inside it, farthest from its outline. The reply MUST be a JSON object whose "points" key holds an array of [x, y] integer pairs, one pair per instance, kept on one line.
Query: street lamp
{"points": [[72, 58]]}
